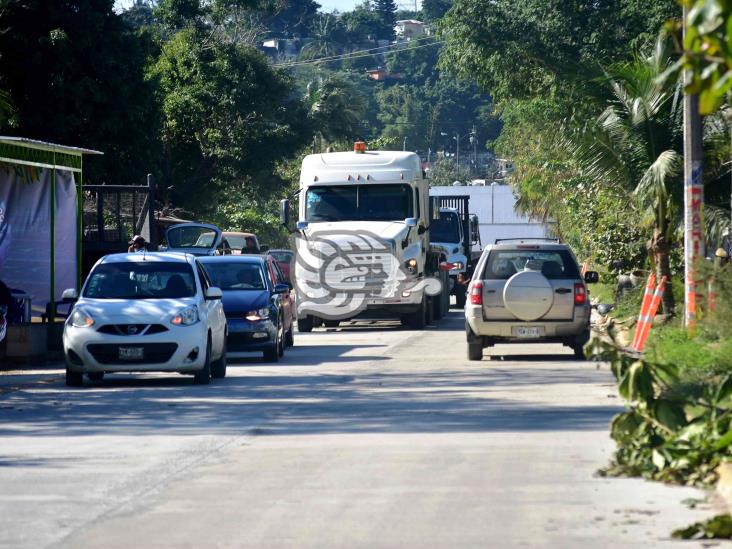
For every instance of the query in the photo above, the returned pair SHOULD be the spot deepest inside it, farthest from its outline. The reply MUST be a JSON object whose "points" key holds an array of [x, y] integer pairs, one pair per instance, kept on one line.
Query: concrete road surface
{"points": [[365, 436]]}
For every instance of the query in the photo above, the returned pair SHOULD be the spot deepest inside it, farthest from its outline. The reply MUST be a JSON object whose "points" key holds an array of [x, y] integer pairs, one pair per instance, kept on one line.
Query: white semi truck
{"points": [[363, 240]]}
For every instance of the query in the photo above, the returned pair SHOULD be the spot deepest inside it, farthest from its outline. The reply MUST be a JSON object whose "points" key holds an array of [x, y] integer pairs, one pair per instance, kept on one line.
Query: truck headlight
{"points": [[81, 319], [185, 317], [411, 265]]}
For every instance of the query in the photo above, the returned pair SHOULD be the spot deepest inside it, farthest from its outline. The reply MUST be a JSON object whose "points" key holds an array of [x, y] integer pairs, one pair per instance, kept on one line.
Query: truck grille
{"points": [[366, 271]]}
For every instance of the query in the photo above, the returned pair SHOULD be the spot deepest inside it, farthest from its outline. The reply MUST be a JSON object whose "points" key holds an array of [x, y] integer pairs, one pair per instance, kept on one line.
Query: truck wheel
{"points": [[305, 324], [437, 306], [475, 351], [418, 319]]}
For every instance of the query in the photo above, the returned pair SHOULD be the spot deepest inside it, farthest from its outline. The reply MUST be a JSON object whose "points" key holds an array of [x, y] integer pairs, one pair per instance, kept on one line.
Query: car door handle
{"points": [[490, 291], [563, 290]]}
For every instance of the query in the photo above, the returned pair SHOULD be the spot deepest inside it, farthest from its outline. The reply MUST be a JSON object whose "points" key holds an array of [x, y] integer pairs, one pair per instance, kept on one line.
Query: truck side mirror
{"points": [[285, 212], [474, 229], [435, 208]]}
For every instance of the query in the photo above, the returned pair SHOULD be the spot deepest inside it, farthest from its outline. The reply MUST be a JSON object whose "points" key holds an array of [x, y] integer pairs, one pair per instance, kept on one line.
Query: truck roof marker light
{"points": [[358, 177], [402, 176], [368, 177], [315, 178], [359, 147], [349, 177]]}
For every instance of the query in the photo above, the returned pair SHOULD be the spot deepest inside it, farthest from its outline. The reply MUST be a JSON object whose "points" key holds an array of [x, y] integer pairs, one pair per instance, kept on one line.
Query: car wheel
{"points": [[305, 324], [290, 337], [271, 354], [203, 376], [96, 376], [281, 338], [74, 379], [475, 351], [218, 367]]}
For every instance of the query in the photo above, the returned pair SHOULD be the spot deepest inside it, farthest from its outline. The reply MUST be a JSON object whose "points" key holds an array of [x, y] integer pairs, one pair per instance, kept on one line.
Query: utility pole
{"points": [[693, 201]]}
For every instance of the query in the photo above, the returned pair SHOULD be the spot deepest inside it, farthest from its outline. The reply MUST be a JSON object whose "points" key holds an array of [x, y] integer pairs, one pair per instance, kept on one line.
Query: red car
{"points": [[284, 259], [288, 299]]}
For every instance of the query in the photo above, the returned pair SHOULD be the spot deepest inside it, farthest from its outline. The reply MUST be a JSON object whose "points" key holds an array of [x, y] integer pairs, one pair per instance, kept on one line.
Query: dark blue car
{"points": [[255, 304]]}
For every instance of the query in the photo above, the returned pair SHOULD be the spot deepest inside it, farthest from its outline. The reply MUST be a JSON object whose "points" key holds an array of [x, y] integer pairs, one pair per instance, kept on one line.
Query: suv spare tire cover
{"points": [[528, 295]]}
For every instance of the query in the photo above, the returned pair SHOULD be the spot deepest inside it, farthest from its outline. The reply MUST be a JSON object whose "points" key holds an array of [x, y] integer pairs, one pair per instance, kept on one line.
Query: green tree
{"points": [[633, 146], [432, 10], [386, 10], [521, 48], [337, 109], [77, 87], [228, 118], [327, 37]]}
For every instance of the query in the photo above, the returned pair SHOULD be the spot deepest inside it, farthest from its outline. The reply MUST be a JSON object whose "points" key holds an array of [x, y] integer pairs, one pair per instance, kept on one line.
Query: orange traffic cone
{"points": [[645, 304], [655, 302]]}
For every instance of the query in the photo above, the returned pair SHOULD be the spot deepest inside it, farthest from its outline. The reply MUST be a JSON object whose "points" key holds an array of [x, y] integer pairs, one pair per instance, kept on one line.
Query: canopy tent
{"points": [[40, 218]]}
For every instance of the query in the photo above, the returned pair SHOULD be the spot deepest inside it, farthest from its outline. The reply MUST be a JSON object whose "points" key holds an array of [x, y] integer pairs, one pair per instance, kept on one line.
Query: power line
{"points": [[352, 55]]}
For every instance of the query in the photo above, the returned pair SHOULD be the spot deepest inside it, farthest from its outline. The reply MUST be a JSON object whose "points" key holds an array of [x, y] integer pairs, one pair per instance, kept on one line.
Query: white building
{"points": [[407, 29]]}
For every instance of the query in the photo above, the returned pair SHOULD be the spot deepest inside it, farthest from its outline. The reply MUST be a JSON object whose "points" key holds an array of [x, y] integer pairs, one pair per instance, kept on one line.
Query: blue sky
{"points": [[327, 5]]}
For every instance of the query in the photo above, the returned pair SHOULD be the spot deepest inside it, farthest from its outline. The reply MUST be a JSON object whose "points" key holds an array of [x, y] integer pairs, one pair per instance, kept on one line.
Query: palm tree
{"points": [[633, 146], [336, 107]]}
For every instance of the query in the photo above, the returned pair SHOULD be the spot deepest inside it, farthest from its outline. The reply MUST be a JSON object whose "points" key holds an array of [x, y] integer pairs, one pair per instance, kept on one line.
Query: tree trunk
{"points": [[661, 248]]}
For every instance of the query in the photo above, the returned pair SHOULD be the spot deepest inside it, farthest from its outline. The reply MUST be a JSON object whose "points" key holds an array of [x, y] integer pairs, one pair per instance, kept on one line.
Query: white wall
{"points": [[497, 217]]}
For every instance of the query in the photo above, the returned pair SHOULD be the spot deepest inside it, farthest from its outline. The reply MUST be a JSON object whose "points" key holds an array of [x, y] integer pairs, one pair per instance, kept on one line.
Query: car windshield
{"points": [[446, 229], [140, 280], [553, 264], [190, 237], [359, 203], [235, 275], [236, 242]]}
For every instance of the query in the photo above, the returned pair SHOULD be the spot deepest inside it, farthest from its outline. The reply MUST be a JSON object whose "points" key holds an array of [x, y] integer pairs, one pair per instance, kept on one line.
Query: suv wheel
{"points": [[475, 351]]}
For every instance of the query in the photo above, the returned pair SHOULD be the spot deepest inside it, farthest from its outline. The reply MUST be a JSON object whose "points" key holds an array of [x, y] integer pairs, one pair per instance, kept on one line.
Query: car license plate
{"points": [[522, 331], [131, 353]]}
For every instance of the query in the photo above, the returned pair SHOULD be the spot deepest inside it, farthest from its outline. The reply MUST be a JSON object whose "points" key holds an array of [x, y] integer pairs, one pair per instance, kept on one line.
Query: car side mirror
{"points": [[69, 294], [285, 212], [591, 277], [281, 288], [213, 293]]}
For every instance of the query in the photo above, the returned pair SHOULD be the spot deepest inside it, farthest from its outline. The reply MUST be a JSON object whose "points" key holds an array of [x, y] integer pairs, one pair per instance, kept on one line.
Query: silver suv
{"points": [[527, 290]]}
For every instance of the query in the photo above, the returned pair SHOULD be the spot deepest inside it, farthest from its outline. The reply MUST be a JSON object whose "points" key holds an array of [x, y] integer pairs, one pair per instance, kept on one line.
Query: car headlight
{"points": [[259, 314], [81, 319], [185, 317]]}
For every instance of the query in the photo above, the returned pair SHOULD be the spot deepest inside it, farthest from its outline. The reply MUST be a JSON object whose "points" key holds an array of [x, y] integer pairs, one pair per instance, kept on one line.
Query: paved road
{"points": [[362, 437]]}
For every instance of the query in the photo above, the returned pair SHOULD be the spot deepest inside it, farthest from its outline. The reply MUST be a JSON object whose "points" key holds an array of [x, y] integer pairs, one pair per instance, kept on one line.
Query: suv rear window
{"points": [[553, 264]]}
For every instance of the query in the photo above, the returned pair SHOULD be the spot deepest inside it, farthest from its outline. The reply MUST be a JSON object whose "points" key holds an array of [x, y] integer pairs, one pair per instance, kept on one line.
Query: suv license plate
{"points": [[131, 353], [521, 331]]}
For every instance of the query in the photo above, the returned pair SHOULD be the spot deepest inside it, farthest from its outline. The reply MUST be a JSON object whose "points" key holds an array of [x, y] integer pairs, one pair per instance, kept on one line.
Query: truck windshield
{"points": [[447, 229], [359, 203]]}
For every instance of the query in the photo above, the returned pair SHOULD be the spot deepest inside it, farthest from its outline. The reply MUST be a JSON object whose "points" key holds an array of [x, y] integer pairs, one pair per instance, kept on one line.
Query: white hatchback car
{"points": [[146, 312]]}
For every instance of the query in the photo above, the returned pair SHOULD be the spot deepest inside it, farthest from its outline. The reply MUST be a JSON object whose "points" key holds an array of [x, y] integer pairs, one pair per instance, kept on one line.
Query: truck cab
{"points": [[364, 229]]}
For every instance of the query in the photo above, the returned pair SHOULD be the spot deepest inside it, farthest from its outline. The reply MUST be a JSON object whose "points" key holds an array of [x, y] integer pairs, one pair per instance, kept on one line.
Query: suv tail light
{"points": [[476, 293], [580, 294]]}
